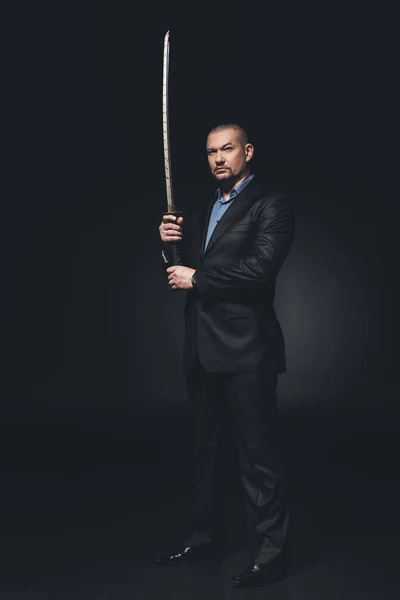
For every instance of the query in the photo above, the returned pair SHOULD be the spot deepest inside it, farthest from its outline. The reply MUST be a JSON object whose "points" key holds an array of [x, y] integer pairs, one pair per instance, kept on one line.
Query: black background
{"points": [[91, 335]]}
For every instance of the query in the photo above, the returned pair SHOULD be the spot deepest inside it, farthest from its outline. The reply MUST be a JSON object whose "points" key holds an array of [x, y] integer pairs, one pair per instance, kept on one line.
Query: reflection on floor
{"points": [[87, 499]]}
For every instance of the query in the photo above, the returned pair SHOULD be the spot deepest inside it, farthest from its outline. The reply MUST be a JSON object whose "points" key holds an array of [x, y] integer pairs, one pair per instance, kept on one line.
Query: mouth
{"points": [[220, 169]]}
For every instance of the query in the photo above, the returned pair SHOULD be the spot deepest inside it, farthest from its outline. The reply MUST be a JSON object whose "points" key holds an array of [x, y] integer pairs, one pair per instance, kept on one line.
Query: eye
{"points": [[228, 148], [211, 152]]}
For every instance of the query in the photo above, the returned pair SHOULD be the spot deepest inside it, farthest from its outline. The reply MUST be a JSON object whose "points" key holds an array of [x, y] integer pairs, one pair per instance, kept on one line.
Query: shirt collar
{"points": [[234, 192]]}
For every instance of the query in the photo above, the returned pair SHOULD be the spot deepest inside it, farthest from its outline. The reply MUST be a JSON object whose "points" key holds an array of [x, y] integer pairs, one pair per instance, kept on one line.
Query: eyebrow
{"points": [[222, 147]]}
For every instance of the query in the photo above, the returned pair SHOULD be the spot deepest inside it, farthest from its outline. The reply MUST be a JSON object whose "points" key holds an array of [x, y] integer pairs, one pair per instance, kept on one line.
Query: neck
{"points": [[227, 186]]}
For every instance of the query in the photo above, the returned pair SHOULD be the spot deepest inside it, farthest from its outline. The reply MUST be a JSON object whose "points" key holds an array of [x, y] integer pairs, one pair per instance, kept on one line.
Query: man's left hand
{"points": [[180, 278]]}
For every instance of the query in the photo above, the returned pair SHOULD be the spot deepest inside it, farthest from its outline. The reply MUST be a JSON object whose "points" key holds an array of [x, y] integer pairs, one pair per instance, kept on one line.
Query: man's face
{"points": [[227, 155]]}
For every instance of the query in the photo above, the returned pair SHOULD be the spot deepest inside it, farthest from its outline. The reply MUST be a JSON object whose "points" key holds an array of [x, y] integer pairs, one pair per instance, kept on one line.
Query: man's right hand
{"points": [[171, 229]]}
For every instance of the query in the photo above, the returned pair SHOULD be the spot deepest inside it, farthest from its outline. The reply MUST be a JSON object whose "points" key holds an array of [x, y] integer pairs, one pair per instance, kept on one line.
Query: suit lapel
{"points": [[239, 207], [205, 218]]}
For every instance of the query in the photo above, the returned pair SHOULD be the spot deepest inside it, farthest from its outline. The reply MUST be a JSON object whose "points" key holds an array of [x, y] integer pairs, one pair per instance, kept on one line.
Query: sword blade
{"points": [[165, 119]]}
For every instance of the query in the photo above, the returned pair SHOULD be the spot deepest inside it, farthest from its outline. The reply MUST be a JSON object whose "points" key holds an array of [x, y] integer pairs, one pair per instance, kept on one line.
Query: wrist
{"points": [[194, 281]]}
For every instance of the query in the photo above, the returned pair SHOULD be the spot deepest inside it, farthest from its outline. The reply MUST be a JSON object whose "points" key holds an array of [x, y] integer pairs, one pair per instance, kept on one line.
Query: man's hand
{"points": [[180, 278], [169, 230]]}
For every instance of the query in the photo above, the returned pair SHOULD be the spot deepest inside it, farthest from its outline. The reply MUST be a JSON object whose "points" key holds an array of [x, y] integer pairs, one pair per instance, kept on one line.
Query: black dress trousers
{"points": [[248, 402]]}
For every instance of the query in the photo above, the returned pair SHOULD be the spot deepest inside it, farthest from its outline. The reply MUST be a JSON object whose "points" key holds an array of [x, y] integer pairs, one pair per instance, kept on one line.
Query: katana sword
{"points": [[167, 155], [171, 210]]}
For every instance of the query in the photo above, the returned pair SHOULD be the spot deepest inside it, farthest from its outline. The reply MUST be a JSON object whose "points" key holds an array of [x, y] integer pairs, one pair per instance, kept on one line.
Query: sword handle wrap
{"points": [[176, 254]]}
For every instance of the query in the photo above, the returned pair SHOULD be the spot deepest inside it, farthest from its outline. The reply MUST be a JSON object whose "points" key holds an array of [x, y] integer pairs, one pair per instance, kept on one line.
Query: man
{"points": [[232, 250]]}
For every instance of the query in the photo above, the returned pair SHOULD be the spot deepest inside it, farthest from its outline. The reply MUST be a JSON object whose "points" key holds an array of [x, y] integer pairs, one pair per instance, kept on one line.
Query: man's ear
{"points": [[249, 149]]}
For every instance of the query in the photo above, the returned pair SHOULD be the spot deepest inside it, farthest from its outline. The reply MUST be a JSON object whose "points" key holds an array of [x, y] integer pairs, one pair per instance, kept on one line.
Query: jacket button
{"points": [[195, 312]]}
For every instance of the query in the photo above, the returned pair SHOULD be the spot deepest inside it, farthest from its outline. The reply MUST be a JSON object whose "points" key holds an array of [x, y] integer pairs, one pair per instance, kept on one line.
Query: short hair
{"points": [[242, 134]]}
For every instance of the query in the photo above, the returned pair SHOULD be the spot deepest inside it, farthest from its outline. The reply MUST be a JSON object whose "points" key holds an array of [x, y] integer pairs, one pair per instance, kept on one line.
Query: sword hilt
{"points": [[174, 247]]}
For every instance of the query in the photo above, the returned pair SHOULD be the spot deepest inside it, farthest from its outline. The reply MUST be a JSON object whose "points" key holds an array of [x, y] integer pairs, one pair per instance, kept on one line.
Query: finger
{"points": [[168, 218], [170, 231], [166, 232], [171, 227]]}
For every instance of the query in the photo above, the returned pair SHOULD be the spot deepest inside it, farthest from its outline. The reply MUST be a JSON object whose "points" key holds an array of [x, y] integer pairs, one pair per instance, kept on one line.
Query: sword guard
{"points": [[175, 213]]}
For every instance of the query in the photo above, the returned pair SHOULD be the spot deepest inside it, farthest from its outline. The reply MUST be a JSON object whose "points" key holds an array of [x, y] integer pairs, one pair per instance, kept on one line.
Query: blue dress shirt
{"points": [[221, 206]]}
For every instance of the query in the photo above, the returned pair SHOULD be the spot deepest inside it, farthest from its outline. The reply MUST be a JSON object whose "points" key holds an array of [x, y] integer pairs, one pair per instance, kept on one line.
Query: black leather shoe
{"points": [[190, 554], [259, 574]]}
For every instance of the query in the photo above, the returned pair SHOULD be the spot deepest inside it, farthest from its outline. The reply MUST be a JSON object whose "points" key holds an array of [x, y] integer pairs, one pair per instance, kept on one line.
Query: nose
{"points": [[219, 160]]}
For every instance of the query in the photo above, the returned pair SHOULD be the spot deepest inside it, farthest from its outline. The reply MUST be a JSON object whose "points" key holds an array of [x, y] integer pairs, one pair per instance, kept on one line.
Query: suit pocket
{"points": [[239, 228], [239, 311]]}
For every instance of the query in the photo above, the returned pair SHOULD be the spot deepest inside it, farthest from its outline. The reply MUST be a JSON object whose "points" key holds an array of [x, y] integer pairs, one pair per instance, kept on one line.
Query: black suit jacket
{"points": [[230, 319]]}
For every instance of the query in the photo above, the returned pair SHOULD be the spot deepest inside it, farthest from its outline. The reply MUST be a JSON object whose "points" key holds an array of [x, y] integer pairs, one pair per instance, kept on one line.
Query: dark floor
{"points": [[87, 499]]}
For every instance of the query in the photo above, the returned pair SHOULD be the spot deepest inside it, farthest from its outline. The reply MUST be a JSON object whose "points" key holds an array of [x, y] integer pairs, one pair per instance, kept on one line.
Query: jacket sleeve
{"points": [[270, 246]]}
